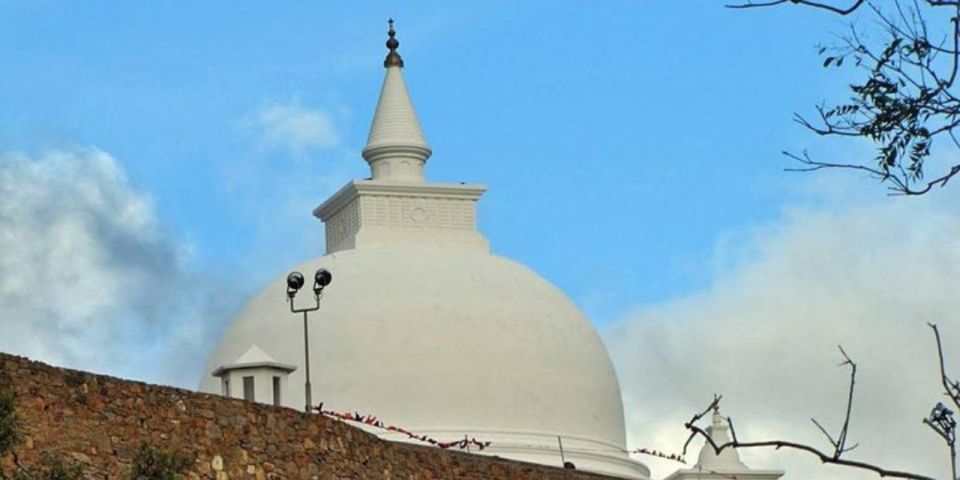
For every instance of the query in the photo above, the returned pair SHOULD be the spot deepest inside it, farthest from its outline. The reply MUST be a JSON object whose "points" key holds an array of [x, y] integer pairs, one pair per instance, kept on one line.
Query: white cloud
{"points": [[89, 278], [280, 183], [296, 128], [865, 275]]}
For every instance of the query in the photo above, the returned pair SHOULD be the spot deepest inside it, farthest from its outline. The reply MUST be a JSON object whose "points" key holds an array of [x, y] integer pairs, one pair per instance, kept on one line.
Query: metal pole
{"points": [[563, 460], [306, 355]]}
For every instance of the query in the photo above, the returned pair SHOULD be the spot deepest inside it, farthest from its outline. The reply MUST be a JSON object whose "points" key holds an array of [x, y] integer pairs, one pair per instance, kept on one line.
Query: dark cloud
{"points": [[89, 278]]}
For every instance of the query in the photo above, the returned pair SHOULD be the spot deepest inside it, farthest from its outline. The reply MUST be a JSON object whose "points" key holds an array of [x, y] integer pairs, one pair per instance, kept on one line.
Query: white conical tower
{"points": [[724, 465], [396, 149]]}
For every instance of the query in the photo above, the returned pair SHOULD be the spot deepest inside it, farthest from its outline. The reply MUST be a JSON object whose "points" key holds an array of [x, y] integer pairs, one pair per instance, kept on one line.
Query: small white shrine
{"points": [[255, 376], [725, 465]]}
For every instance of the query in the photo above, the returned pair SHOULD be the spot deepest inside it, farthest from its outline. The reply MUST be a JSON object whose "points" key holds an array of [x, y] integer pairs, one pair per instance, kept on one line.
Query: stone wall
{"points": [[100, 422]]}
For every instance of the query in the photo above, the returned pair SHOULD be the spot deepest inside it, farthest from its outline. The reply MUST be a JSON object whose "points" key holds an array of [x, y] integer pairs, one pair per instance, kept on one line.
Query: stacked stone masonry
{"points": [[100, 423]]}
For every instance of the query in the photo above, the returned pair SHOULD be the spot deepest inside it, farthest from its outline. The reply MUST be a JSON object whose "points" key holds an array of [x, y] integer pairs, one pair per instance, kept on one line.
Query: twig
{"points": [[841, 11], [952, 390]]}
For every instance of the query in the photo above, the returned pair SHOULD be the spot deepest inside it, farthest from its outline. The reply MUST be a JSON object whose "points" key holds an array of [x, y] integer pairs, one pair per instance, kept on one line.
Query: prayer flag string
{"points": [[373, 421], [461, 444]]}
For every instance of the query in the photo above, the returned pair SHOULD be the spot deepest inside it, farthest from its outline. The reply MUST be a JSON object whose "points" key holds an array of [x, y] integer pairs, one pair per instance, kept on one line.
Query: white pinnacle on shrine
{"points": [[724, 465], [728, 459], [396, 149]]}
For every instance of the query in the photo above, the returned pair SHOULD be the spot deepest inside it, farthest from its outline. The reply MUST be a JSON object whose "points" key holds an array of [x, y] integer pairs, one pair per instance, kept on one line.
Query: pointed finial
{"points": [[393, 58], [717, 418]]}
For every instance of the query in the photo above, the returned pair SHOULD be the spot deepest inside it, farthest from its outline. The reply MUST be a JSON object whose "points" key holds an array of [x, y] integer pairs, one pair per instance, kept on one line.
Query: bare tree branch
{"points": [[826, 6], [940, 420], [696, 430], [838, 10], [840, 443]]}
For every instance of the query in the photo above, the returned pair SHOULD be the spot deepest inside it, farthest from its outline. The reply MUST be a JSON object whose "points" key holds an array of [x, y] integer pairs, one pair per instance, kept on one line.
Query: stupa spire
{"points": [[728, 459], [396, 149]]}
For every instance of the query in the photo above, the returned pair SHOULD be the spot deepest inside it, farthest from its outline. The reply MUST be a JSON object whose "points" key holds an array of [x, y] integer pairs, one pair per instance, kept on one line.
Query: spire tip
{"points": [[393, 58]]}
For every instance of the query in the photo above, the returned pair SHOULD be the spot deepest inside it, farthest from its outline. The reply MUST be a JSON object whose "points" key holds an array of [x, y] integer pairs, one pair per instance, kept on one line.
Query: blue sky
{"points": [[618, 141], [631, 150]]}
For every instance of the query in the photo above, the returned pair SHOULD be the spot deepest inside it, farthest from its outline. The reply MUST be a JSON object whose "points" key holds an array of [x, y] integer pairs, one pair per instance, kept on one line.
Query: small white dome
{"points": [[447, 342]]}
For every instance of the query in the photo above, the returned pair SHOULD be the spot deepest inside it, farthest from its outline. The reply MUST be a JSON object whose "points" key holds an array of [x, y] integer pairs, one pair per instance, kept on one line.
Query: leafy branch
{"points": [[905, 104]]}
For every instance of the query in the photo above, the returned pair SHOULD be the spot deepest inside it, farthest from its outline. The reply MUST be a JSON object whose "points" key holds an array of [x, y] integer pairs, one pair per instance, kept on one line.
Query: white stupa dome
{"points": [[427, 330]]}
